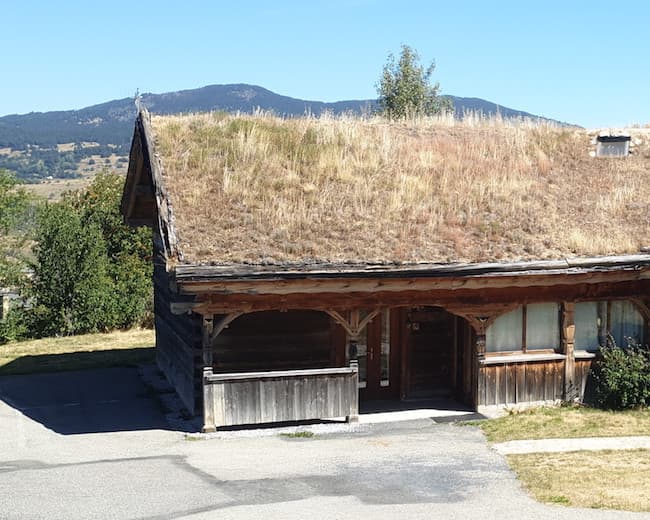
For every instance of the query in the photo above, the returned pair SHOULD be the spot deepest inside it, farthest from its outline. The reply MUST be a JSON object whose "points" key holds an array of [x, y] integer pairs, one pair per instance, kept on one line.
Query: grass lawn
{"points": [[120, 348], [566, 422], [594, 479]]}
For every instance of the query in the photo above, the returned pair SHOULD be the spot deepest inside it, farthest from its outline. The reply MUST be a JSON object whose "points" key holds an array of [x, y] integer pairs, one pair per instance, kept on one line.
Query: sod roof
{"points": [[258, 189]]}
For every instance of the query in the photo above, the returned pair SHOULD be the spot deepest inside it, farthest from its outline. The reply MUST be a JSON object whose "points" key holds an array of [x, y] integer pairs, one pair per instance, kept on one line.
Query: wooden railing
{"points": [[290, 395]]}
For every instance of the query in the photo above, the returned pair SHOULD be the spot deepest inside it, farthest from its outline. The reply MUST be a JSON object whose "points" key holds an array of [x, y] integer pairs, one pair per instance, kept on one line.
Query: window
{"points": [[530, 327], [506, 332], [594, 320], [589, 329]]}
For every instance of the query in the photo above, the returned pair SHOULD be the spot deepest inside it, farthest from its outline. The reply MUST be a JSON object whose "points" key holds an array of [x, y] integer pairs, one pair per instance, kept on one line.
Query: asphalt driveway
{"points": [[57, 463]]}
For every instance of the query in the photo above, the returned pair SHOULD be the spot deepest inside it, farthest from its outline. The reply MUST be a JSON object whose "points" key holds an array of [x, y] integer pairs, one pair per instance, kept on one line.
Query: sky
{"points": [[582, 62]]}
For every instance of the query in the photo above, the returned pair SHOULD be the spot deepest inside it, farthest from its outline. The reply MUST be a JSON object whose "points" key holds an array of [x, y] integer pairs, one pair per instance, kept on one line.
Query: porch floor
{"points": [[440, 410]]}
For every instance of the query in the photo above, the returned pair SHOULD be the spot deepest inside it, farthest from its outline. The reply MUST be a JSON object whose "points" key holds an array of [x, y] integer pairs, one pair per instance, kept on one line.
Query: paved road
{"points": [[63, 460]]}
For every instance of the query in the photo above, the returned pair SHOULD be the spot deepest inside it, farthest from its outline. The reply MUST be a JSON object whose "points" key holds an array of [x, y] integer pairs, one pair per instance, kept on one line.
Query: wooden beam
{"points": [[463, 302], [478, 354], [208, 326], [365, 285], [239, 272]]}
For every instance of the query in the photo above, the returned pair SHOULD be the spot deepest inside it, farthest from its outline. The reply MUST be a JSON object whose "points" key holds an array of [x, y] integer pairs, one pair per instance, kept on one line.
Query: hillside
{"points": [[73, 143]]}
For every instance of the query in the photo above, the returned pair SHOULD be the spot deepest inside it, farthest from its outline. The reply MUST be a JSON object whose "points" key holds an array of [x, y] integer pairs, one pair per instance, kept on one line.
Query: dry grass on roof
{"points": [[261, 189]]}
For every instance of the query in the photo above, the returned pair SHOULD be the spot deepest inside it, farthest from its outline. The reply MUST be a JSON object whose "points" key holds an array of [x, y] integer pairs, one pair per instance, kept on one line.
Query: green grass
{"points": [[565, 422], [119, 348]]}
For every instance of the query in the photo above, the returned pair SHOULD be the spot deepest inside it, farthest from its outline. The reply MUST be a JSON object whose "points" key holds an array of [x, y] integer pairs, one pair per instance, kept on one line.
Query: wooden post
{"points": [[354, 364], [207, 340], [571, 392], [208, 390], [477, 376], [209, 420]]}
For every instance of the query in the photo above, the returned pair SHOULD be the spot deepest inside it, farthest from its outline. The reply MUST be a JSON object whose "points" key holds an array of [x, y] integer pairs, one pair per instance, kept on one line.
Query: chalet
{"points": [[303, 265]]}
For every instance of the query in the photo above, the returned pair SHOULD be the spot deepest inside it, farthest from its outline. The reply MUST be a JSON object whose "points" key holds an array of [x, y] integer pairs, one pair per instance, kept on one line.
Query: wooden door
{"points": [[378, 356], [430, 345]]}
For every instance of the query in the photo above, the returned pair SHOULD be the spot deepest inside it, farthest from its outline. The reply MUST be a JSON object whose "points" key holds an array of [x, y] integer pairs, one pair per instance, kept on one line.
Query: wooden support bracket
{"points": [[222, 324], [353, 326]]}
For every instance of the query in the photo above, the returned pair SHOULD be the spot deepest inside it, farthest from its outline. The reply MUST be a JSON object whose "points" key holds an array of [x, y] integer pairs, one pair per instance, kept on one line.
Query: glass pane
{"points": [[626, 323], [384, 380], [505, 333], [542, 326], [587, 321]]}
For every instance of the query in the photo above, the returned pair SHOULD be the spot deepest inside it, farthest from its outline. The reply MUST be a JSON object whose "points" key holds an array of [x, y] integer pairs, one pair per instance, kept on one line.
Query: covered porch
{"points": [[293, 350]]}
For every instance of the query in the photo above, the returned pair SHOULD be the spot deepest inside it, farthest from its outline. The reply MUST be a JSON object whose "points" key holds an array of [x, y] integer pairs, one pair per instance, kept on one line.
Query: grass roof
{"points": [[266, 190]]}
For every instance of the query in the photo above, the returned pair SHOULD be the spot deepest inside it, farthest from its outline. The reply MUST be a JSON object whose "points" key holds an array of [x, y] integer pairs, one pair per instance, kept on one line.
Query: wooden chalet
{"points": [[266, 309]]}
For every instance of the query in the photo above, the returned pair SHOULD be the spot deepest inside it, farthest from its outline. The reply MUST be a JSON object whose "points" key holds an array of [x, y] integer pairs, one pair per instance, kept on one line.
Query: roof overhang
{"points": [[202, 279]]}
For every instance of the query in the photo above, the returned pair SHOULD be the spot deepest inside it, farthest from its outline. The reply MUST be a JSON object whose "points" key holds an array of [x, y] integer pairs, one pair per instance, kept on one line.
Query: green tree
{"points": [[15, 212], [405, 88], [92, 271], [128, 250], [71, 287]]}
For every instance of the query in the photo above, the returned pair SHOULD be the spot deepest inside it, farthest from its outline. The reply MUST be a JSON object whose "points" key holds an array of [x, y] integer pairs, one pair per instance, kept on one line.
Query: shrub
{"points": [[621, 376], [15, 325]]}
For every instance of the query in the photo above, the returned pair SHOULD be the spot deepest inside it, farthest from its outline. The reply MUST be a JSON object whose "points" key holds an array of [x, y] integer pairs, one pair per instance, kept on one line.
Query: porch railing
{"points": [[276, 396]]}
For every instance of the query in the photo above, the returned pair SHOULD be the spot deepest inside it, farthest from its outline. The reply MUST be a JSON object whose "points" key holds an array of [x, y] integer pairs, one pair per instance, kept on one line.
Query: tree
{"points": [[405, 89], [15, 207], [71, 288], [128, 250], [92, 272]]}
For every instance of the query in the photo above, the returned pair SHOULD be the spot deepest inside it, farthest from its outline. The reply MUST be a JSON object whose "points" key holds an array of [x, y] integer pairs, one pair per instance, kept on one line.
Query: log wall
{"points": [[178, 342], [293, 395]]}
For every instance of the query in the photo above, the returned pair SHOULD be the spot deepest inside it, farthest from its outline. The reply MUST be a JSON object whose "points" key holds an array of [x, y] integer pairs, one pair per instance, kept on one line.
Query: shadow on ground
{"points": [[78, 361], [86, 401]]}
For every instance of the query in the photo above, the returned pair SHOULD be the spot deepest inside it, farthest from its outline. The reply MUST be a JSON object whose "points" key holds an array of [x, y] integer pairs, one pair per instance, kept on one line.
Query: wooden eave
{"points": [[198, 279], [145, 201]]}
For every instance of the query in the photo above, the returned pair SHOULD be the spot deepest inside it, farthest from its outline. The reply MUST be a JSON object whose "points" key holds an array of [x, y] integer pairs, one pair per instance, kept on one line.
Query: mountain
{"points": [[62, 143]]}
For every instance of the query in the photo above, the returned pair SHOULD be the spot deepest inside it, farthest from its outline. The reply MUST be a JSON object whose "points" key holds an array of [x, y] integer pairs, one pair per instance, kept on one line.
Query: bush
{"points": [[621, 377], [15, 325]]}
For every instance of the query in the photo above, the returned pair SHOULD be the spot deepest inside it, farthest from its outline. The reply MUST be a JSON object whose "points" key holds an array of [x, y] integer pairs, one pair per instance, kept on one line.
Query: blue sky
{"points": [[584, 62]]}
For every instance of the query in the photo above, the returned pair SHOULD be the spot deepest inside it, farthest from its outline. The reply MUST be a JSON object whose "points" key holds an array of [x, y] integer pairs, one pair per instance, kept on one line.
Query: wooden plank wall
{"points": [[257, 398], [521, 382], [582, 376], [274, 340], [178, 343]]}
